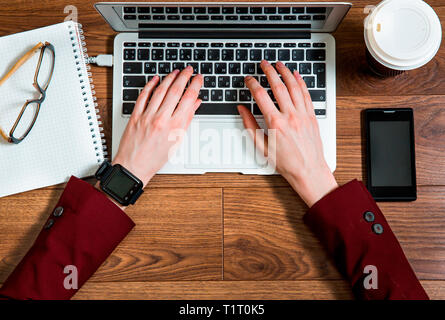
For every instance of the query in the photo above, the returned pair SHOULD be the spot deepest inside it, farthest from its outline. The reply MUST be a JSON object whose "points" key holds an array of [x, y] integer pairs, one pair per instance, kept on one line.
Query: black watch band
{"points": [[119, 183]]}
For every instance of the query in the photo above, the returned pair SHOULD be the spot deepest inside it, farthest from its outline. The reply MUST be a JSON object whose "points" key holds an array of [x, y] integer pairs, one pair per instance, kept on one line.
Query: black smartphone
{"points": [[390, 154]]}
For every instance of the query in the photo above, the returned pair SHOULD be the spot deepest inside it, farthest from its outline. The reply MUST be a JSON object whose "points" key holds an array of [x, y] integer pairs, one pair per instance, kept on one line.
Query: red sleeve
{"points": [[354, 241], [84, 235]]}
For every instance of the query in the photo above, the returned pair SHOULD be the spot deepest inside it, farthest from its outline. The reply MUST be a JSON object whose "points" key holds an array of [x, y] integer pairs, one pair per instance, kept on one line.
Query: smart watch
{"points": [[119, 183]]}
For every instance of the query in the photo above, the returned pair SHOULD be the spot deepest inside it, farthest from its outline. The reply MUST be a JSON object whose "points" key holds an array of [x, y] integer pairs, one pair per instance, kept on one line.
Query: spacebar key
{"points": [[220, 108]]}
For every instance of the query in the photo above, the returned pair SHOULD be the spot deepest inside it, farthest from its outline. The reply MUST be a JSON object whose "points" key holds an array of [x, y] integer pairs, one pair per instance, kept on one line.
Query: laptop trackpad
{"points": [[220, 145]]}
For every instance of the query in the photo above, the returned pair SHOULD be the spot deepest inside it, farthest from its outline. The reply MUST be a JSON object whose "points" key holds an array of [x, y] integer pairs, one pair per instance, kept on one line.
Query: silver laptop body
{"points": [[224, 42]]}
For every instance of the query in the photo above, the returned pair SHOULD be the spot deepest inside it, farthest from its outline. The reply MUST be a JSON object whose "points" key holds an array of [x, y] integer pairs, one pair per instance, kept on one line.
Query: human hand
{"points": [[145, 145], [298, 151]]}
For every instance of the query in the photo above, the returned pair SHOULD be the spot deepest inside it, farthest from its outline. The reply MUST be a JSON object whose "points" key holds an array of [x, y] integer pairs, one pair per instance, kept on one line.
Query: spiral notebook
{"points": [[67, 138]]}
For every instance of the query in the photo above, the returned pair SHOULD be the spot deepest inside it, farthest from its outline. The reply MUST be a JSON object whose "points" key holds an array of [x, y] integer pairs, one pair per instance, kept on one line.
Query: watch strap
{"points": [[136, 196], [104, 171]]}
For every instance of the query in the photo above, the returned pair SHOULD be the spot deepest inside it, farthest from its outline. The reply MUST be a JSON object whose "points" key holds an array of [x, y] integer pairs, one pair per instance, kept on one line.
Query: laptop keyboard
{"points": [[224, 64]]}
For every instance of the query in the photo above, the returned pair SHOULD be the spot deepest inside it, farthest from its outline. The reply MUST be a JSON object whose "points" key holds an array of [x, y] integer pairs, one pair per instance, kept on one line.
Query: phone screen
{"points": [[390, 154]]}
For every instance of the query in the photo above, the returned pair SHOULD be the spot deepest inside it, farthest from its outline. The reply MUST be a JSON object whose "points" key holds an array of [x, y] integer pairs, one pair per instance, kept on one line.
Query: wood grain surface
{"points": [[233, 236]]}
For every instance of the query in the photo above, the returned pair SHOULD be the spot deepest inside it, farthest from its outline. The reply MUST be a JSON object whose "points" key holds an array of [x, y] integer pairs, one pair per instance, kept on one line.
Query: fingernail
{"points": [[240, 110], [297, 74], [248, 78], [176, 71], [189, 68], [279, 64], [265, 62]]}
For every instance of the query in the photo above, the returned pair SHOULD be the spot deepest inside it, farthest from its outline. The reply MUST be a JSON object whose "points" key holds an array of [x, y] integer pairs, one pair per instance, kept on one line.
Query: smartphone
{"points": [[390, 155]]}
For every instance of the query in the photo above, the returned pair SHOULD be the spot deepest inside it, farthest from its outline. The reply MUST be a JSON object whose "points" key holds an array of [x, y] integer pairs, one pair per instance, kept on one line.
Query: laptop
{"points": [[224, 42]]}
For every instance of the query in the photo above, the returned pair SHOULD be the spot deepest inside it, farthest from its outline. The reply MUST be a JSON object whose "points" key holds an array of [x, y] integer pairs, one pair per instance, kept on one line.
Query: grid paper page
{"points": [[60, 143]]}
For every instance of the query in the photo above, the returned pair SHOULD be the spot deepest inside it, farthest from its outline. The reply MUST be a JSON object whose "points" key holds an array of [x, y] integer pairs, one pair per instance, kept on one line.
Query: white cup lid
{"points": [[403, 34]]}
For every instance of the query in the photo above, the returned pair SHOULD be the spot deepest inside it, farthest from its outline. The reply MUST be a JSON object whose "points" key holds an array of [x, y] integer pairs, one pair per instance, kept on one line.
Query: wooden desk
{"points": [[229, 236]]}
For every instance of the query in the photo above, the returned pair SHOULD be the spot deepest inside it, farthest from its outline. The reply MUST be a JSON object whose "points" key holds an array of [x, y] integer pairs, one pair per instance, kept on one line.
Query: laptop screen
{"points": [[292, 16]]}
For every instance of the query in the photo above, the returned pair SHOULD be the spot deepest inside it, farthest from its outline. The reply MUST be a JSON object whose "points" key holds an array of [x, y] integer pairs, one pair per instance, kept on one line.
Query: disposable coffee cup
{"points": [[401, 35]]}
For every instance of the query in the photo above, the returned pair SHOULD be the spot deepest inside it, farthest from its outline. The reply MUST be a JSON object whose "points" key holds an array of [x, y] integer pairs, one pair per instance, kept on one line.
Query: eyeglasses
{"points": [[30, 110]]}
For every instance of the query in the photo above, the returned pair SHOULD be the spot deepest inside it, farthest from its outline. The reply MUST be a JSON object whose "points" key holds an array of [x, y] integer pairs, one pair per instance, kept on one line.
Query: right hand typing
{"points": [[298, 152]]}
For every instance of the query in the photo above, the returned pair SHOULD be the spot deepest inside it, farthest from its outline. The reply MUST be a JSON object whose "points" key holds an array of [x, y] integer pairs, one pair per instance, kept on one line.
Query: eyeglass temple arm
{"points": [[3, 135], [21, 61]]}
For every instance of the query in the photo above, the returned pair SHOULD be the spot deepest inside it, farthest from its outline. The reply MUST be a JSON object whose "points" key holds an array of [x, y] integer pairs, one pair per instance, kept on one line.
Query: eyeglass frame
{"points": [[42, 47]]}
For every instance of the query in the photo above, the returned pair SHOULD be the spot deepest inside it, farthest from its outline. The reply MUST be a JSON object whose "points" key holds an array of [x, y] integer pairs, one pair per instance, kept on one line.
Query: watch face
{"points": [[121, 185]]}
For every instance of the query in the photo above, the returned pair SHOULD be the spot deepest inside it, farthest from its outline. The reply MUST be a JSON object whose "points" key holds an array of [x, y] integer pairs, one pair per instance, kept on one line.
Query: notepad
{"points": [[66, 138]]}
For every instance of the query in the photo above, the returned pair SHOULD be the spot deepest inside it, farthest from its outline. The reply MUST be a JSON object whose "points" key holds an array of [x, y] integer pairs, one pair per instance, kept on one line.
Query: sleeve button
{"points": [[49, 224], [369, 216], [58, 211], [377, 228]]}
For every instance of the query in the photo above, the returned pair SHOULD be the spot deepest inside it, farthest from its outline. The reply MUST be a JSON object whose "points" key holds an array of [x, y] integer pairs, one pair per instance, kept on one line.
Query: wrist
{"points": [[312, 187], [144, 177], [97, 186]]}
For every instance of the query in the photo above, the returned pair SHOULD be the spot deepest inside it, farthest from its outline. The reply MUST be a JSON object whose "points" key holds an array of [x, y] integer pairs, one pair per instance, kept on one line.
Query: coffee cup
{"points": [[401, 35]]}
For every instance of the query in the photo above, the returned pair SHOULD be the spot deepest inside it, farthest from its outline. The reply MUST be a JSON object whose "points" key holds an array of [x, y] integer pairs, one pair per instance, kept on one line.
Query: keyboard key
{"points": [[143, 54], [201, 18], [173, 44], [320, 72], [304, 45], [185, 54], [150, 68], [143, 9], [260, 18], [144, 17], [260, 45], [318, 95], [305, 68], [170, 17], [164, 67], [310, 82], [320, 112], [185, 10], [199, 54], [134, 81], [214, 10], [188, 44], [216, 95], [241, 54], [256, 10], [178, 65], [231, 45], [319, 45], [217, 18], [238, 82], [204, 94], [284, 55], [202, 45], [220, 68], [219, 108], [213, 54], [319, 17], [283, 10], [171, 54], [297, 55], [315, 55], [258, 69], [217, 45], [223, 82], [256, 55], [272, 97], [231, 95], [199, 10], [246, 45], [263, 82], [171, 10], [228, 10], [304, 18], [129, 17], [129, 9], [275, 18], [290, 45], [242, 10], [206, 68], [157, 10], [188, 17], [157, 54], [227, 55], [270, 10], [132, 67], [130, 94], [209, 82], [244, 95], [297, 10], [129, 54], [316, 10], [127, 108], [231, 18], [292, 66], [270, 55], [290, 18], [158, 17], [130, 44], [195, 67], [248, 68], [246, 18], [234, 68]]}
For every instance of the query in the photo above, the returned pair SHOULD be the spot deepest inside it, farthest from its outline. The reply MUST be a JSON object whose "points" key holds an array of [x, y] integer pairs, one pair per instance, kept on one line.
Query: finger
{"points": [[252, 126], [142, 100], [189, 118], [261, 97], [175, 91], [278, 88], [160, 92], [187, 102], [292, 86], [309, 106]]}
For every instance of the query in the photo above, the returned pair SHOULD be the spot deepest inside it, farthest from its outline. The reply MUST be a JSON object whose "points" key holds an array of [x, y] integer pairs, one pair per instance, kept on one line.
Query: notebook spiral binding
{"points": [[81, 58]]}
